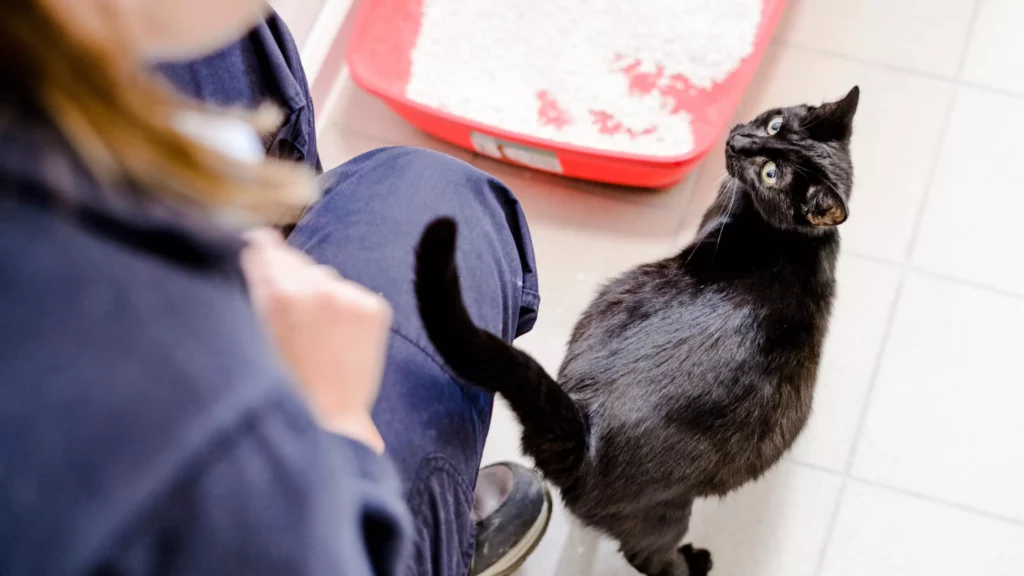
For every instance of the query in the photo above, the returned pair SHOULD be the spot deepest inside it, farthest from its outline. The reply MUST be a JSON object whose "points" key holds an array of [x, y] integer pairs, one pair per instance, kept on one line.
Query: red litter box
{"points": [[379, 58]]}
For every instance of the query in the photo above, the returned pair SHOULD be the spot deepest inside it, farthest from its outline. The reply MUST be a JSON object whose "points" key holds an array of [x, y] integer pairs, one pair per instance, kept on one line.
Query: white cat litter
{"points": [[602, 74]]}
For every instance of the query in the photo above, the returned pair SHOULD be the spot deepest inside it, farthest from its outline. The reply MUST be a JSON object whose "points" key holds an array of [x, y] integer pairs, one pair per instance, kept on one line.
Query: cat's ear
{"points": [[825, 207], [833, 121]]}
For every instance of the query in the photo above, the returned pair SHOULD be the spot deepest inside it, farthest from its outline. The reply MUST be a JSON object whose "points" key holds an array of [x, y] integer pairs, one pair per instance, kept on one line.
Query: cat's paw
{"points": [[698, 560]]}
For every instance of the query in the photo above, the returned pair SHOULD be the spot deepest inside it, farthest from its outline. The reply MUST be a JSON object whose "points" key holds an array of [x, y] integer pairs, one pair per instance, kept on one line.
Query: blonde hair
{"points": [[120, 118]]}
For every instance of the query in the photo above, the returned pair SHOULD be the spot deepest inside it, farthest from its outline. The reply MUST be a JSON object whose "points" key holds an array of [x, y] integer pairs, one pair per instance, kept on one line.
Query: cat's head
{"points": [[795, 163]]}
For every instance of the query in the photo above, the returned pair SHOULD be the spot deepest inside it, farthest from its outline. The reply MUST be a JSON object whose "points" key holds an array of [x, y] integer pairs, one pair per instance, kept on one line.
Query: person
{"points": [[184, 393]]}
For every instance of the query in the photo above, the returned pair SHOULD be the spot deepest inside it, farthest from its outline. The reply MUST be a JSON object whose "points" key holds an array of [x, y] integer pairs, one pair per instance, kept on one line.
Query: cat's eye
{"points": [[774, 125], [770, 173]]}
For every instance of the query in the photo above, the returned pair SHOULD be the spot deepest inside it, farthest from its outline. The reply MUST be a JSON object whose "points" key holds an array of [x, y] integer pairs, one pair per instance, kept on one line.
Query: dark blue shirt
{"points": [[263, 67], [146, 426]]}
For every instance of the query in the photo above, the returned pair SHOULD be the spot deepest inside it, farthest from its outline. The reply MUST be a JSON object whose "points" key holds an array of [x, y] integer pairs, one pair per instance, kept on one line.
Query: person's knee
{"points": [[401, 190], [428, 174], [457, 189], [417, 160]]}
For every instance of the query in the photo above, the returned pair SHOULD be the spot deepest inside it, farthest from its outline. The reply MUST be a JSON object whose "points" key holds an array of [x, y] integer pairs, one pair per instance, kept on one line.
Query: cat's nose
{"points": [[739, 143]]}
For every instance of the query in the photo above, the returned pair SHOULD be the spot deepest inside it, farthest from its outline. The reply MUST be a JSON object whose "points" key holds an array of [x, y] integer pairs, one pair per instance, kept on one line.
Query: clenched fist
{"points": [[331, 332]]}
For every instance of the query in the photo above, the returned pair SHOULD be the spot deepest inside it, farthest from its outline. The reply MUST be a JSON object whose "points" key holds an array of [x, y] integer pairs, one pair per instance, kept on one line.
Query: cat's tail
{"points": [[555, 429]]}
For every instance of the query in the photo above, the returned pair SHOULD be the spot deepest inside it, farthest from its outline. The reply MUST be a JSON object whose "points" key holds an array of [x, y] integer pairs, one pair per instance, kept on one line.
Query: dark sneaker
{"points": [[511, 510]]}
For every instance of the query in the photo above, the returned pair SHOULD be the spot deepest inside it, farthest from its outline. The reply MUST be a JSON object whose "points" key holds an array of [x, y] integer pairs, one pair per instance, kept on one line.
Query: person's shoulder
{"points": [[116, 366], [82, 310]]}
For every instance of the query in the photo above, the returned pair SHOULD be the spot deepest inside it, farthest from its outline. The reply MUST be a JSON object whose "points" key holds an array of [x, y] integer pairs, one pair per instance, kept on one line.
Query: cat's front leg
{"points": [[687, 561], [652, 544], [698, 560]]}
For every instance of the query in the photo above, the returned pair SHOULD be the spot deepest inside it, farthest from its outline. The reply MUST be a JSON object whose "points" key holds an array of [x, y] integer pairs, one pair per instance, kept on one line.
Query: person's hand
{"points": [[331, 332]]}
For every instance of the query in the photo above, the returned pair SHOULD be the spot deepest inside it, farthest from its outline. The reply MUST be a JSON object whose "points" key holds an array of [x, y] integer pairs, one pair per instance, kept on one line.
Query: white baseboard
{"points": [[321, 37]]}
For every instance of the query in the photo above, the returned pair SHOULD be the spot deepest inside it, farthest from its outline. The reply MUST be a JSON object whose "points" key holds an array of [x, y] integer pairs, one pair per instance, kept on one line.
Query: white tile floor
{"points": [[913, 463]]}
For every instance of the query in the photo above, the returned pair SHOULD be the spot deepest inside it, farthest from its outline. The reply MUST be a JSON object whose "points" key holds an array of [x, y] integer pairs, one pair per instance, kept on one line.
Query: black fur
{"points": [[690, 376], [554, 427]]}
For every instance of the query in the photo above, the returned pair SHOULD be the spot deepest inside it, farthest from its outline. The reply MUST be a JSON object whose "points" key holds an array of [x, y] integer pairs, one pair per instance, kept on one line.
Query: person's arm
{"points": [[277, 495], [332, 333], [282, 494]]}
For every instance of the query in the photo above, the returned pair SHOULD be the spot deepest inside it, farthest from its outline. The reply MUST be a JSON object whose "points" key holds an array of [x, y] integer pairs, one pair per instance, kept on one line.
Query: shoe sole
{"points": [[518, 554]]}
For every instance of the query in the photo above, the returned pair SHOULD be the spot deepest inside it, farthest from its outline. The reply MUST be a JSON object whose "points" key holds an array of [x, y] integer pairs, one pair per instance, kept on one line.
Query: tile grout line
{"points": [[942, 276], [865, 61], [816, 467], [897, 297], [956, 80], [908, 493], [991, 89], [979, 286], [862, 418], [915, 229], [968, 39], [941, 501]]}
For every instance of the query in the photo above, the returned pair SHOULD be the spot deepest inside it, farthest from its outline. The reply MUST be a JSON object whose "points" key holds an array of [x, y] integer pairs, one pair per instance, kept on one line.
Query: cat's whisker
{"points": [[707, 229], [721, 229], [815, 122], [722, 194], [730, 189], [800, 170], [825, 182], [695, 244]]}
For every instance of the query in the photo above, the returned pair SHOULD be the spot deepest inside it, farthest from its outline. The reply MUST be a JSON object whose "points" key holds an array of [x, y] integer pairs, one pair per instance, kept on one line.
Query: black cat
{"points": [[690, 376]]}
